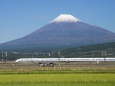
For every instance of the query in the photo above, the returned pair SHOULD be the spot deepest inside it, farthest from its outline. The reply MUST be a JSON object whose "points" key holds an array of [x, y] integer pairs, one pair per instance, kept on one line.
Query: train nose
{"points": [[17, 60]]}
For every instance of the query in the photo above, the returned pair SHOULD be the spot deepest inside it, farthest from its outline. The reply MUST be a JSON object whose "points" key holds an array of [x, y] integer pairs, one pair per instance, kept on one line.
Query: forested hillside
{"points": [[98, 50]]}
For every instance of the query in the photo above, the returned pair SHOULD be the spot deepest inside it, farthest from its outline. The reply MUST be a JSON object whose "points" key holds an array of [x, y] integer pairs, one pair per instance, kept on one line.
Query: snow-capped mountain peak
{"points": [[65, 18]]}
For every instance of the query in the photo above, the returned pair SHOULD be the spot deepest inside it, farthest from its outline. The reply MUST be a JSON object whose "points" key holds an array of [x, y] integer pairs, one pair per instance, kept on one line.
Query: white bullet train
{"points": [[51, 60]]}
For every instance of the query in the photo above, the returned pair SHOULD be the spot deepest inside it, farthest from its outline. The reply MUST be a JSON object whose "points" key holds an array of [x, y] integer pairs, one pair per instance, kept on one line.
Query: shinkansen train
{"points": [[51, 60]]}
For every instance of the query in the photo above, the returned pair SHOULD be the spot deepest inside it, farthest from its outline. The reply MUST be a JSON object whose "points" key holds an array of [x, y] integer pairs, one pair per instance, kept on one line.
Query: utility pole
{"points": [[59, 57], [2, 54], [59, 54], [6, 54], [49, 54]]}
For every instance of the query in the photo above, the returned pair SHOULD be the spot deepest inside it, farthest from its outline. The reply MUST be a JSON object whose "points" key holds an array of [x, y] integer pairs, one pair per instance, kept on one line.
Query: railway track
{"points": [[11, 64]]}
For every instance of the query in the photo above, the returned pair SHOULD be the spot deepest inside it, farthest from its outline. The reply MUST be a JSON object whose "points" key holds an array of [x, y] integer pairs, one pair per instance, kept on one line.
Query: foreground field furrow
{"points": [[56, 70], [60, 84]]}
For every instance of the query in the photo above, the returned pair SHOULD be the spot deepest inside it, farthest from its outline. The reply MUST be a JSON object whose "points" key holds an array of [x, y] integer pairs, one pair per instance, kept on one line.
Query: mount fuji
{"points": [[65, 30]]}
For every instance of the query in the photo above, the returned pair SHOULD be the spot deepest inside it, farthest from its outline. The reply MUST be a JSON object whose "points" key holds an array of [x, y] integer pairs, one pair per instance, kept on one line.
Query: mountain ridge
{"points": [[69, 33]]}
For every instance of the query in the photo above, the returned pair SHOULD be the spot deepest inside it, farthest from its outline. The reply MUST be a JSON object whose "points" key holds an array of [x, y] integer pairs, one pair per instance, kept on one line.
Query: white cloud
{"points": [[41, 18]]}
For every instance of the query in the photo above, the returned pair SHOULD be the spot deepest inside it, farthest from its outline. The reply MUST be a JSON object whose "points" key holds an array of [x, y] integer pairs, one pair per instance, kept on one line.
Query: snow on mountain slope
{"points": [[65, 18]]}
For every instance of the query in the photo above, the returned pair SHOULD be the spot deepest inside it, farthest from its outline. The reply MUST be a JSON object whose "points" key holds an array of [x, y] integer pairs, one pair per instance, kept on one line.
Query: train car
{"points": [[41, 60]]}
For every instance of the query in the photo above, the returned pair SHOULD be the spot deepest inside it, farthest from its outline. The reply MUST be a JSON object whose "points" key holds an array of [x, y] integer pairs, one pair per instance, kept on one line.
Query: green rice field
{"points": [[57, 80], [33, 75]]}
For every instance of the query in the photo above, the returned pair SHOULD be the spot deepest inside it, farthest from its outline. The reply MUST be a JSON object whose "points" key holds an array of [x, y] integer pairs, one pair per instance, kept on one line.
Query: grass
{"points": [[58, 70], [57, 80], [57, 76]]}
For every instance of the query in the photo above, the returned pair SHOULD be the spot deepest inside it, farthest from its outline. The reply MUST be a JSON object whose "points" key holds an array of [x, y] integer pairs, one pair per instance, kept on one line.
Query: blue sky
{"points": [[21, 17]]}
